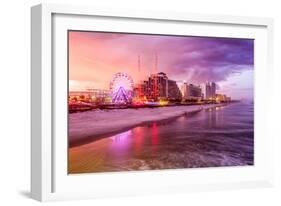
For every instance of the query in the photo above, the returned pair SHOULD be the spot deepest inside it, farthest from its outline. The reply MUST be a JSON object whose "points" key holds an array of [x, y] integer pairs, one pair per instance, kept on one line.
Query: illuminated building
{"points": [[222, 98], [90, 95], [158, 87]]}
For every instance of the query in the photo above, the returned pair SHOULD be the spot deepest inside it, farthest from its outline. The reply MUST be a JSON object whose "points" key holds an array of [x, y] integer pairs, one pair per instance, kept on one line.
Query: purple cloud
{"points": [[193, 59]]}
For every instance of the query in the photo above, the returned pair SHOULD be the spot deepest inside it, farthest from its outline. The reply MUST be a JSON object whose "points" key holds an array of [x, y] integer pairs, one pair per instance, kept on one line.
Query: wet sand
{"points": [[168, 144]]}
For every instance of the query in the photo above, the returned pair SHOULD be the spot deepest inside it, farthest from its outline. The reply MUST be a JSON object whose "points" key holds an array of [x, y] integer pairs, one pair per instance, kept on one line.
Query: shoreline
{"points": [[91, 126]]}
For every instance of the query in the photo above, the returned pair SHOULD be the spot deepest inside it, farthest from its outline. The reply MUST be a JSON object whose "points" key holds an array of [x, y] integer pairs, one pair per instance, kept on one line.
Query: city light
{"points": [[155, 91]]}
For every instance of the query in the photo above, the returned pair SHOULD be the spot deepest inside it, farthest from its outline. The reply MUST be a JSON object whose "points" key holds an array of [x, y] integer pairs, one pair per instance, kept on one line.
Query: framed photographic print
{"points": [[138, 102]]}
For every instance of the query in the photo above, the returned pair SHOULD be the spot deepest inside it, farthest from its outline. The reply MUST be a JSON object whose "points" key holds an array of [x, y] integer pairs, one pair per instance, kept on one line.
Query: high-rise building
{"points": [[207, 91], [158, 86], [184, 90], [181, 87], [174, 92], [192, 92], [213, 89], [210, 92]]}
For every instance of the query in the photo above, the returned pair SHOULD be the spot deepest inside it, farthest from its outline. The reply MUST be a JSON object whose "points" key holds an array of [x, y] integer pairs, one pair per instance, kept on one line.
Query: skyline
{"points": [[94, 57]]}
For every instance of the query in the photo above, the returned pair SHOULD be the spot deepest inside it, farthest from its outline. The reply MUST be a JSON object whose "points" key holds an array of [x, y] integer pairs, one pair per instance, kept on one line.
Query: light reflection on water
{"points": [[222, 136]]}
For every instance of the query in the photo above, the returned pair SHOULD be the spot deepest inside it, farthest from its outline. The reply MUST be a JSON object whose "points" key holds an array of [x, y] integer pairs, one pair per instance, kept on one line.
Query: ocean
{"points": [[221, 136]]}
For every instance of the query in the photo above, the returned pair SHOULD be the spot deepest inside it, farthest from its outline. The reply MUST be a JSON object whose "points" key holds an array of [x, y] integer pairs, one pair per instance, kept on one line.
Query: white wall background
{"points": [[15, 95]]}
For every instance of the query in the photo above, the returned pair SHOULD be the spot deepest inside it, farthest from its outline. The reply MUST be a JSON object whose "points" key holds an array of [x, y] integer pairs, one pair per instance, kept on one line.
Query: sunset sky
{"points": [[94, 57]]}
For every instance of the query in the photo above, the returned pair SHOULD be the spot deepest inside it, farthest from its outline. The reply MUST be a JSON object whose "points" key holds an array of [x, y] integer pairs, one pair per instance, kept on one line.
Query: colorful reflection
{"points": [[218, 137], [139, 139], [155, 134]]}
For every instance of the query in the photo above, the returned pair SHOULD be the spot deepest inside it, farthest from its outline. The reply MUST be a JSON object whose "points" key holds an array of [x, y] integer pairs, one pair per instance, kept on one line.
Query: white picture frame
{"points": [[49, 180]]}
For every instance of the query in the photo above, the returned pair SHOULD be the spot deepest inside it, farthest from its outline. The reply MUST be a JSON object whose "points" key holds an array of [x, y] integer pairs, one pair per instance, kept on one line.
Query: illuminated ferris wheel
{"points": [[121, 87]]}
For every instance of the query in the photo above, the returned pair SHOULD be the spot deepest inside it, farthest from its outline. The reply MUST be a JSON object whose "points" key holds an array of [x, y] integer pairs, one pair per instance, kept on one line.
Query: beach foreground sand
{"points": [[89, 126]]}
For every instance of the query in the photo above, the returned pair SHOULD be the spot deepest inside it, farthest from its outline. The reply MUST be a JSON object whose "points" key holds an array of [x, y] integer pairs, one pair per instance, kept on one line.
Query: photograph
{"points": [[140, 102]]}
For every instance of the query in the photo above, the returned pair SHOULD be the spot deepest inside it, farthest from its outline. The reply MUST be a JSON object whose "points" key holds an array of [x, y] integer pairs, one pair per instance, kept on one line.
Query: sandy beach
{"points": [[89, 126], [219, 135]]}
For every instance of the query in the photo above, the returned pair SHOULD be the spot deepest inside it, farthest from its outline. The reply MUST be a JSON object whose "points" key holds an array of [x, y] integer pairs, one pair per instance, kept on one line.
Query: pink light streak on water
{"points": [[155, 134]]}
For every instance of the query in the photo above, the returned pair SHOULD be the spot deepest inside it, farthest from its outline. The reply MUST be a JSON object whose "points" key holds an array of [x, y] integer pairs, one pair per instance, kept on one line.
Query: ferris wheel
{"points": [[121, 87]]}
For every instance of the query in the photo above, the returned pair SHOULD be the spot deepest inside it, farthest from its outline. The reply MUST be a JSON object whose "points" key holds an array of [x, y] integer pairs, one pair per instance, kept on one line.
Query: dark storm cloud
{"points": [[212, 58]]}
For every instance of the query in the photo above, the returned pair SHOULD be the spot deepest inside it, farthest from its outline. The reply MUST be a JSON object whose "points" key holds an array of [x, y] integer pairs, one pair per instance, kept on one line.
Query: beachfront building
{"points": [[174, 92], [158, 86], [181, 86], [210, 91], [222, 98], [90, 95], [192, 92]]}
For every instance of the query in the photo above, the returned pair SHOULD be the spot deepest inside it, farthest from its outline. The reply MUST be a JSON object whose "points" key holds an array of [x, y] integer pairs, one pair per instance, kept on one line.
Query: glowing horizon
{"points": [[94, 58]]}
